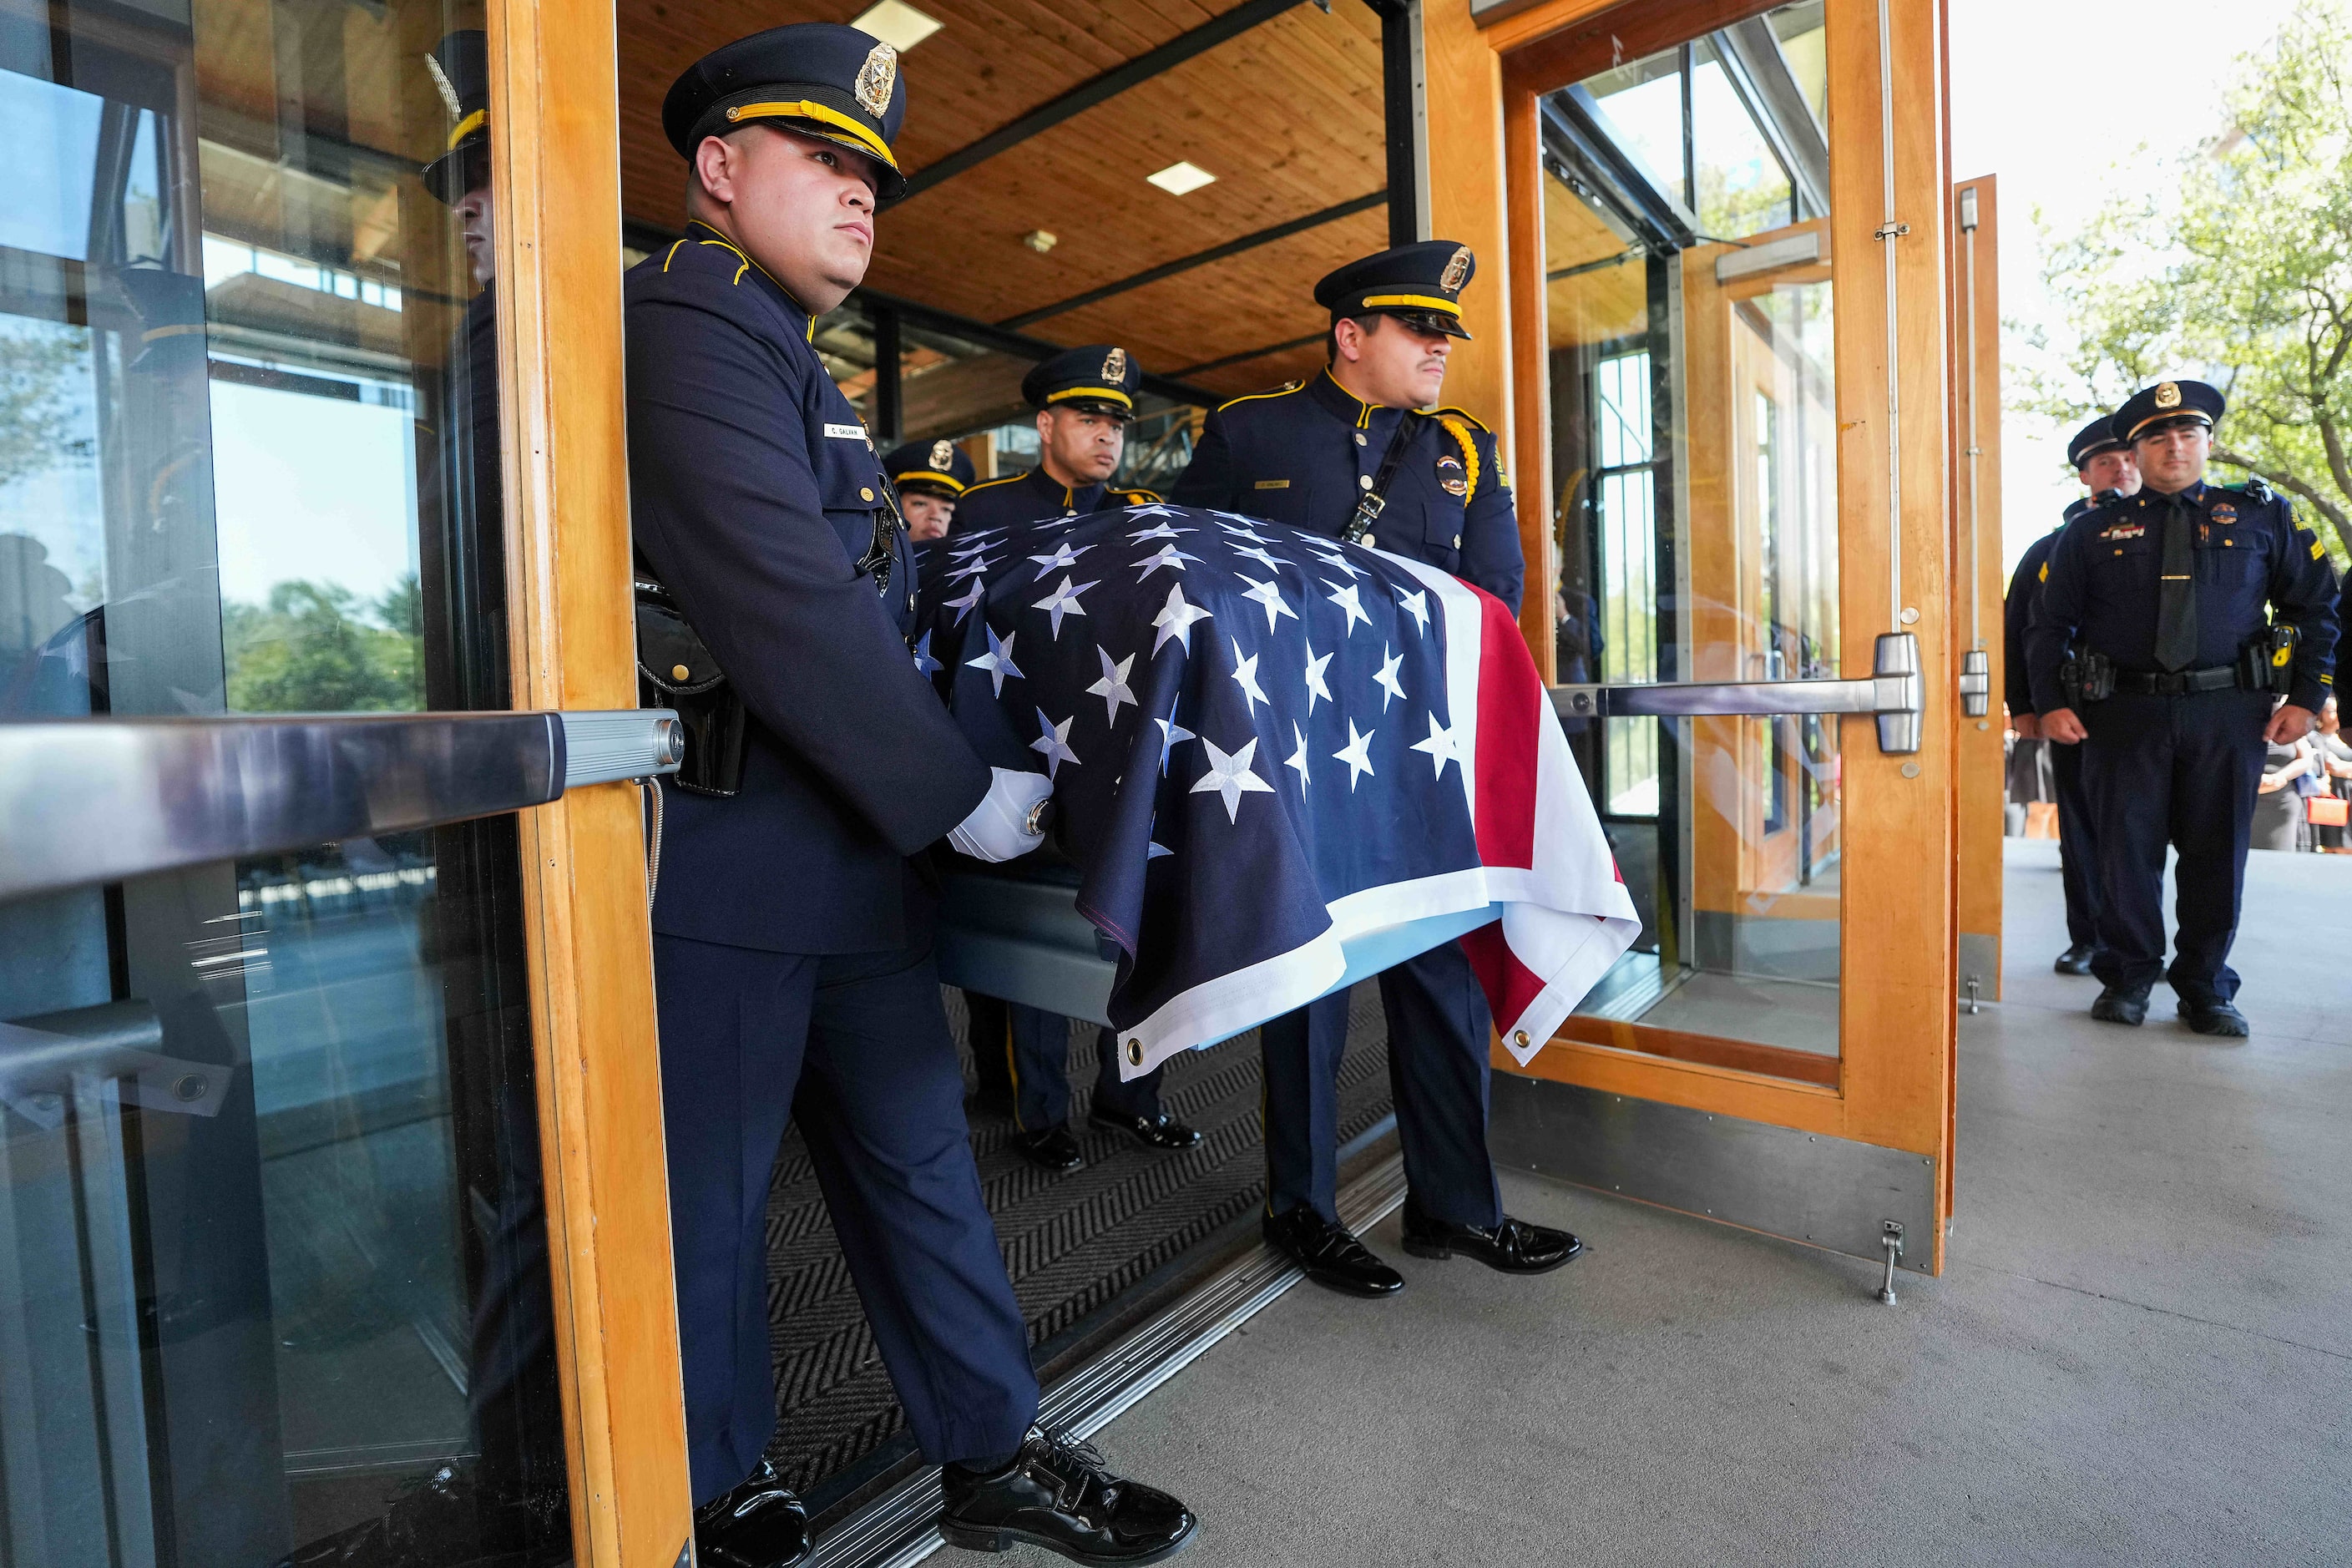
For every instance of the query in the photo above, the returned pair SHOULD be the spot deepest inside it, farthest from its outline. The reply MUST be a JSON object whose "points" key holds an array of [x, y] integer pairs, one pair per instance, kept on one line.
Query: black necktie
{"points": [[2175, 593]]}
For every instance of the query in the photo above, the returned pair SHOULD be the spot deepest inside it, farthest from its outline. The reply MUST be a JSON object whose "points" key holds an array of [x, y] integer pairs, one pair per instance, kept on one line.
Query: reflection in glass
{"points": [[1694, 446], [272, 1259]]}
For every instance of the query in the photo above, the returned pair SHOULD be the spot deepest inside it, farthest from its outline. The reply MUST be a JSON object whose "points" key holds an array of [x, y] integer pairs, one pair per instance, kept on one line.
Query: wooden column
{"points": [[559, 237]]}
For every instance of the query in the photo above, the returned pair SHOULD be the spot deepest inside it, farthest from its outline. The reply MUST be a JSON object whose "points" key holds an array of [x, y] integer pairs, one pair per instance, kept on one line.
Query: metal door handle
{"points": [[99, 800], [1762, 698]]}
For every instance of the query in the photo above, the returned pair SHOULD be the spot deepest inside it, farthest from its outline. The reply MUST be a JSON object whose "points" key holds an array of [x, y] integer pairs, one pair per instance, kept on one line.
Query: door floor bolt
{"points": [[1890, 1241]]}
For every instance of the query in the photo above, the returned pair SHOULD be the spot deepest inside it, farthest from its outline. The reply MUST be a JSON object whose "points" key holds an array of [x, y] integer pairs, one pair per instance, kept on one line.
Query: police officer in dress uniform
{"points": [[1306, 454], [2105, 464], [791, 934], [2168, 586], [930, 477], [1084, 398]]}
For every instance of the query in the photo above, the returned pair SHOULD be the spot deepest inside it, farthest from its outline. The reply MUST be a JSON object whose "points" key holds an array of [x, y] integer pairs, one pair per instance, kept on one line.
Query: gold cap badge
{"points": [[2168, 395], [942, 454], [876, 78], [1115, 367], [1457, 269]]}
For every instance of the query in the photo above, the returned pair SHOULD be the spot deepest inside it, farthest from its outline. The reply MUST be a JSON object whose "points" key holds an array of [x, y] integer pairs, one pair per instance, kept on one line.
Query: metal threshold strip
{"points": [[896, 1527]]}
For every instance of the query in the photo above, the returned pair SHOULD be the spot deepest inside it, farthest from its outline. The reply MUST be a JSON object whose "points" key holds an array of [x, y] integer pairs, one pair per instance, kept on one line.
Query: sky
{"points": [[2048, 97]]}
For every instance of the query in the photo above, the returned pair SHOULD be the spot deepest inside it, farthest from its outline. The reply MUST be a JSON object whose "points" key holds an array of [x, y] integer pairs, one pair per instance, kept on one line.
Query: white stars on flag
{"points": [[1357, 754], [1315, 686], [1171, 734], [1270, 596], [1245, 676], [1416, 605], [1297, 758], [1113, 688], [1061, 601], [1332, 556], [1443, 746], [998, 659], [1160, 531], [1153, 509], [972, 568], [1347, 599], [925, 665], [1230, 776], [1053, 740], [1271, 562], [973, 592], [1392, 688], [1175, 621], [1063, 556], [1246, 530], [1168, 556]]}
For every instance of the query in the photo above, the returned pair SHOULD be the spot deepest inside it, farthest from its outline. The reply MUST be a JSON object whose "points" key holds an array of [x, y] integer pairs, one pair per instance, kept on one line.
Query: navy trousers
{"points": [[1022, 1056], [2078, 847], [1438, 1032], [856, 1049], [2181, 772]]}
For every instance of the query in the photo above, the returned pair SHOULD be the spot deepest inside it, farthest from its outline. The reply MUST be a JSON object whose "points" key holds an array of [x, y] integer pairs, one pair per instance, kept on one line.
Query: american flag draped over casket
{"points": [[1270, 752]]}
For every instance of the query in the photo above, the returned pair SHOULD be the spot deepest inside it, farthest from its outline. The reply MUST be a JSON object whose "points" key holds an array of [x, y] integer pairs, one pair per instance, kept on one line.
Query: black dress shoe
{"points": [[760, 1524], [1060, 1495], [2116, 1006], [1052, 1149], [1513, 1247], [2216, 1018], [2075, 960], [1161, 1131], [1330, 1254]]}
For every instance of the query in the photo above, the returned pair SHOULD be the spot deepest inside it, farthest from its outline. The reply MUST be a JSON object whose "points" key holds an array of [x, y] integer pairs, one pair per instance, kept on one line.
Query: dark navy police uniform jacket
{"points": [[1301, 455], [1025, 497], [854, 763], [2103, 588]]}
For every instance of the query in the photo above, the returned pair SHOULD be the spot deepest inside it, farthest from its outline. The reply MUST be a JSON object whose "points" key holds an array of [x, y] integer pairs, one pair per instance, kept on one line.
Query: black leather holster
{"points": [[677, 671]]}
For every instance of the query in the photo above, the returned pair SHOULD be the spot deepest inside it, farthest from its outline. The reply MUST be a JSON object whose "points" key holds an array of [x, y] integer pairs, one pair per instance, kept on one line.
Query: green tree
{"points": [[2236, 256], [312, 649], [35, 416]]}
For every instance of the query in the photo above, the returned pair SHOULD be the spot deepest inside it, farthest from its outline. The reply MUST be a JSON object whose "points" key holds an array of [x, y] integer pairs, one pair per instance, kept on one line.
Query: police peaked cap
{"points": [[1099, 378], [2168, 400], [2099, 436], [1421, 283], [171, 307], [823, 79], [930, 468], [460, 68]]}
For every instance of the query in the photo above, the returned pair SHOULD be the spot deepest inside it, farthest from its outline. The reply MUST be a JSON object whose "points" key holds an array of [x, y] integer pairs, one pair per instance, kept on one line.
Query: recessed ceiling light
{"points": [[897, 23], [1178, 179]]}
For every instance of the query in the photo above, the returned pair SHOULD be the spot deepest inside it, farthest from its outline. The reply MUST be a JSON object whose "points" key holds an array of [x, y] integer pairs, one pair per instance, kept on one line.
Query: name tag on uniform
{"points": [[846, 432], [1274, 484]]}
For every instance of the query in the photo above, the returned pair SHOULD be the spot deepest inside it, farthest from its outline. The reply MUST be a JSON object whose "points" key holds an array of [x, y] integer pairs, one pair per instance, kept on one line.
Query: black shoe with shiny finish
{"points": [[1513, 1247], [760, 1524], [1161, 1131], [1330, 1254], [1052, 1149], [1060, 1495], [2216, 1018], [2075, 960], [2116, 1006], [445, 1519]]}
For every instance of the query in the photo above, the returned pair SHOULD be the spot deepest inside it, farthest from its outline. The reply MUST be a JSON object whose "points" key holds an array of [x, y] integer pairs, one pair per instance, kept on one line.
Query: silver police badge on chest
{"points": [[1451, 476]]}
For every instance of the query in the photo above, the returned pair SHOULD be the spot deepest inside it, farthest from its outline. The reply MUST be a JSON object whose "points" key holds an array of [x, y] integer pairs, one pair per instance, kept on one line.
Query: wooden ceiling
{"points": [[1288, 116], [1599, 305]]}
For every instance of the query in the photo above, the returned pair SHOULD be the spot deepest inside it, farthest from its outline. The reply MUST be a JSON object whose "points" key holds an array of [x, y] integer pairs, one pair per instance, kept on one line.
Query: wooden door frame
{"points": [[1897, 961], [1983, 777], [556, 151]]}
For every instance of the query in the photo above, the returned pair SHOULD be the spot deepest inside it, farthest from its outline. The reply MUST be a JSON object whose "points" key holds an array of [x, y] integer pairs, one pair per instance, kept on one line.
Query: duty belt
{"points": [[2149, 683]]}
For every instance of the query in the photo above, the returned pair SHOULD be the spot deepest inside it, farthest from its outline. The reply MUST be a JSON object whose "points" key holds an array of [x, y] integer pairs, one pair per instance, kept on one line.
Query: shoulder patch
{"points": [[1284, 390]]}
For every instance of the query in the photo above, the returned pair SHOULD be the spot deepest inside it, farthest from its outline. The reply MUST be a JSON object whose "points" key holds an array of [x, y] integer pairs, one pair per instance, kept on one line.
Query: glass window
{"points": [[1693, 448], [273, 1266]]}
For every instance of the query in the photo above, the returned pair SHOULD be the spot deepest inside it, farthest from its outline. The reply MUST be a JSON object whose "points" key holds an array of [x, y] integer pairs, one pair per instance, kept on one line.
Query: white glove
{"points": [[999, 826]]}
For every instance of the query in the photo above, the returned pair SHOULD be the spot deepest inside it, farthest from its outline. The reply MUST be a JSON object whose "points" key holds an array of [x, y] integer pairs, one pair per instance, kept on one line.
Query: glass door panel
{"points": [[1694, 436], [274, 1262]]}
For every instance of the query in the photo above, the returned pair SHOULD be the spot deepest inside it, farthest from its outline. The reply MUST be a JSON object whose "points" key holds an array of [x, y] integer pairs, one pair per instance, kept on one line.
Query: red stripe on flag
{"points": [[1508, 690]]}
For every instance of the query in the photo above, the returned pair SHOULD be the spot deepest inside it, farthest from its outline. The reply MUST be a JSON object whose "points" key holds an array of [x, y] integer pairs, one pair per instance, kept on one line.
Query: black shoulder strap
{"points": [[1376, 500]]}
